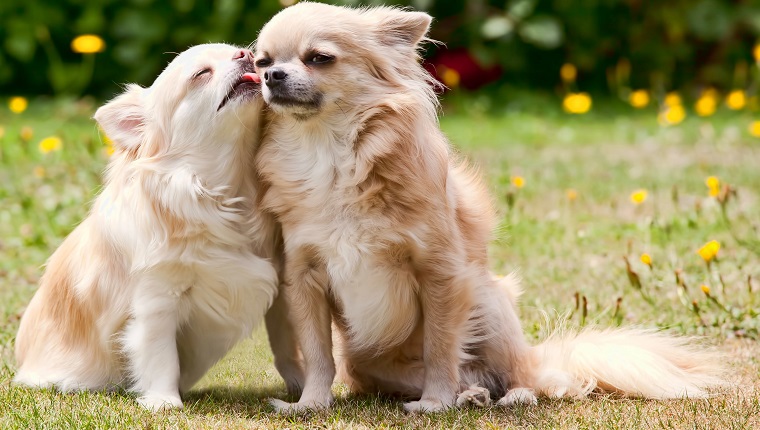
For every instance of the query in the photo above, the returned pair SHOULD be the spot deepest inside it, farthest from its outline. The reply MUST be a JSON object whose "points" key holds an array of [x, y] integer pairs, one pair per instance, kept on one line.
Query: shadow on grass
{"points": [[253, 403], [370, 410]]}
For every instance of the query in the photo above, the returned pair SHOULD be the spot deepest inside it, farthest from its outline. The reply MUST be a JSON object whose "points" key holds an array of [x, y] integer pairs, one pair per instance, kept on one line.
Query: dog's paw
{"points": [[518, 396], [425, 406], [475, 396], [157, 402], [284, 407]]}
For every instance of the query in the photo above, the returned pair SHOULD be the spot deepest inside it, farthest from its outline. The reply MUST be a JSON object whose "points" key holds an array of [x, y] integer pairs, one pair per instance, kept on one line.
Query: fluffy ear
{"points": [[400, 27], [123, 118]]}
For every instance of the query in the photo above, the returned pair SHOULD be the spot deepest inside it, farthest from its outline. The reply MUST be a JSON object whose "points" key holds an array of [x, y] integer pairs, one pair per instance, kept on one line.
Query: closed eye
{"points": [[202, 72]]}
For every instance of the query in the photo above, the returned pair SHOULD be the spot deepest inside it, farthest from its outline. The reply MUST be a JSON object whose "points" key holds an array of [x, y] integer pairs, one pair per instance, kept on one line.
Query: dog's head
{"points": [[205, 92], [316, 59]]}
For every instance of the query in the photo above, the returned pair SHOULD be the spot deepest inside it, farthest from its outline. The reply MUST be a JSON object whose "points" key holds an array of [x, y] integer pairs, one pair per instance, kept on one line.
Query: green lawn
{"points": [[567, 250]]}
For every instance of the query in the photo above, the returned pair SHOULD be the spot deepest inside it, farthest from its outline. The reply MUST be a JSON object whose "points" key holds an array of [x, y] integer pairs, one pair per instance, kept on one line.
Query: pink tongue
{"points": [[252, 77]]}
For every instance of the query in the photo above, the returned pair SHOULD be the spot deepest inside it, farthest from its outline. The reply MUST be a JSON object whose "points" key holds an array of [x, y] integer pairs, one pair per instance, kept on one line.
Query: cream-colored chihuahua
{"points": [[170, 269], [386, 235]]}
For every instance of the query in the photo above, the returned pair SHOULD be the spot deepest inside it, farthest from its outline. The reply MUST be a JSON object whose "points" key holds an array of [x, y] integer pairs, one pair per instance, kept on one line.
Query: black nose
{"points": [[274, 76]]}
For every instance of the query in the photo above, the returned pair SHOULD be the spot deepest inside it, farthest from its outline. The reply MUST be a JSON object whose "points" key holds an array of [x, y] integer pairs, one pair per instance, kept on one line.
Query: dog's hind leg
{"points": [[200, 344]]}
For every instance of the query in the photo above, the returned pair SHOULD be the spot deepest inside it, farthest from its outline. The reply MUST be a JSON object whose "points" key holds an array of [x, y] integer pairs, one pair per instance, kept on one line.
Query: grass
{"points": [[567, 251]]}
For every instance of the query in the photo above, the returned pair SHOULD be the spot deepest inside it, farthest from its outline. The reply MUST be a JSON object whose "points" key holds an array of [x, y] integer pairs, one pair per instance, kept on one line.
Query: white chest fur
{"points": [[314, 190]]}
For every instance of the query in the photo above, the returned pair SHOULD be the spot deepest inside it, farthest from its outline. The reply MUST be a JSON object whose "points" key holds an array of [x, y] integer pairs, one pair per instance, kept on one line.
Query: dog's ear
{"points": [[123, 119], [399, 27]]}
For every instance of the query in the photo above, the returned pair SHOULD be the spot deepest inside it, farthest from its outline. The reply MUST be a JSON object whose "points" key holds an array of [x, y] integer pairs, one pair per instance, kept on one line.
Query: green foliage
{"points": [[140, 35], [668, 44]]}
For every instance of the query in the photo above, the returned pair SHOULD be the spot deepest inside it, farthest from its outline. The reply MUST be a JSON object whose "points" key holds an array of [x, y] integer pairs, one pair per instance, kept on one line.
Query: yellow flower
{"points": [[18, 104], [672, 115], [52, 143], [39, 171], [449, 77], [577, 103], [672, 99], [639, 98], [709, 250], [87, 44], [736, 100], [568, 72], [646, 259], [638, 196], [571, 194], [754, 128], [706, 105], [713, 183], [756, 52], [705, 289], [518, 181], [26, 133]]}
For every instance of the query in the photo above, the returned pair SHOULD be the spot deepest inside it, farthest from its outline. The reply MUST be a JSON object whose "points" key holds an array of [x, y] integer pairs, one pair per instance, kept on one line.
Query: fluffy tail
{"points": [[630, 361]]}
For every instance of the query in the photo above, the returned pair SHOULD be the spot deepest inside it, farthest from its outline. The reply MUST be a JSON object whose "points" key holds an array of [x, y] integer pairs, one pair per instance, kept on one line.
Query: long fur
{"points": [[172, 266], [386, 234]]}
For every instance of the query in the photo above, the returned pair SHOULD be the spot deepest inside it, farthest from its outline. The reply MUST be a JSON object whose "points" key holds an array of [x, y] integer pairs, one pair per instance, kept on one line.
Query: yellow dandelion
{"points": [[571, 194], [568, 72], [736, 100], [39, 172], [671, 115], [449, 77], [672, 99], [756, 53], [18, 104], [646, 259], [706, 105], [705, 289], [709, 251], [518, 181], [577, 103], [639, 196], [49, 144], [639, 98], [713, 184], [754, 128], [26, 133], [88, 44]]}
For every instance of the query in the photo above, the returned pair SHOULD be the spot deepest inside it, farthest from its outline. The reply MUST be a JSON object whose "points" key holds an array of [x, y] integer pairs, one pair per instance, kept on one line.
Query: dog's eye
{"points": [[202, 72], [263, 62], [320, 59]]}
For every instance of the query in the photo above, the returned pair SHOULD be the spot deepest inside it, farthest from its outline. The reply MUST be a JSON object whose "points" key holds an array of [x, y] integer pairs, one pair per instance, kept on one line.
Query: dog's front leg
{"points": [[151, 347], [306, 296], [284, 345], [445, 306]]}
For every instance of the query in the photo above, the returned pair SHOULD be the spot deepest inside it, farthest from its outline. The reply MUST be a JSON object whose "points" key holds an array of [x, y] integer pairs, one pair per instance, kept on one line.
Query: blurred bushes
{"points": [[655, 44], [141, 36]]}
